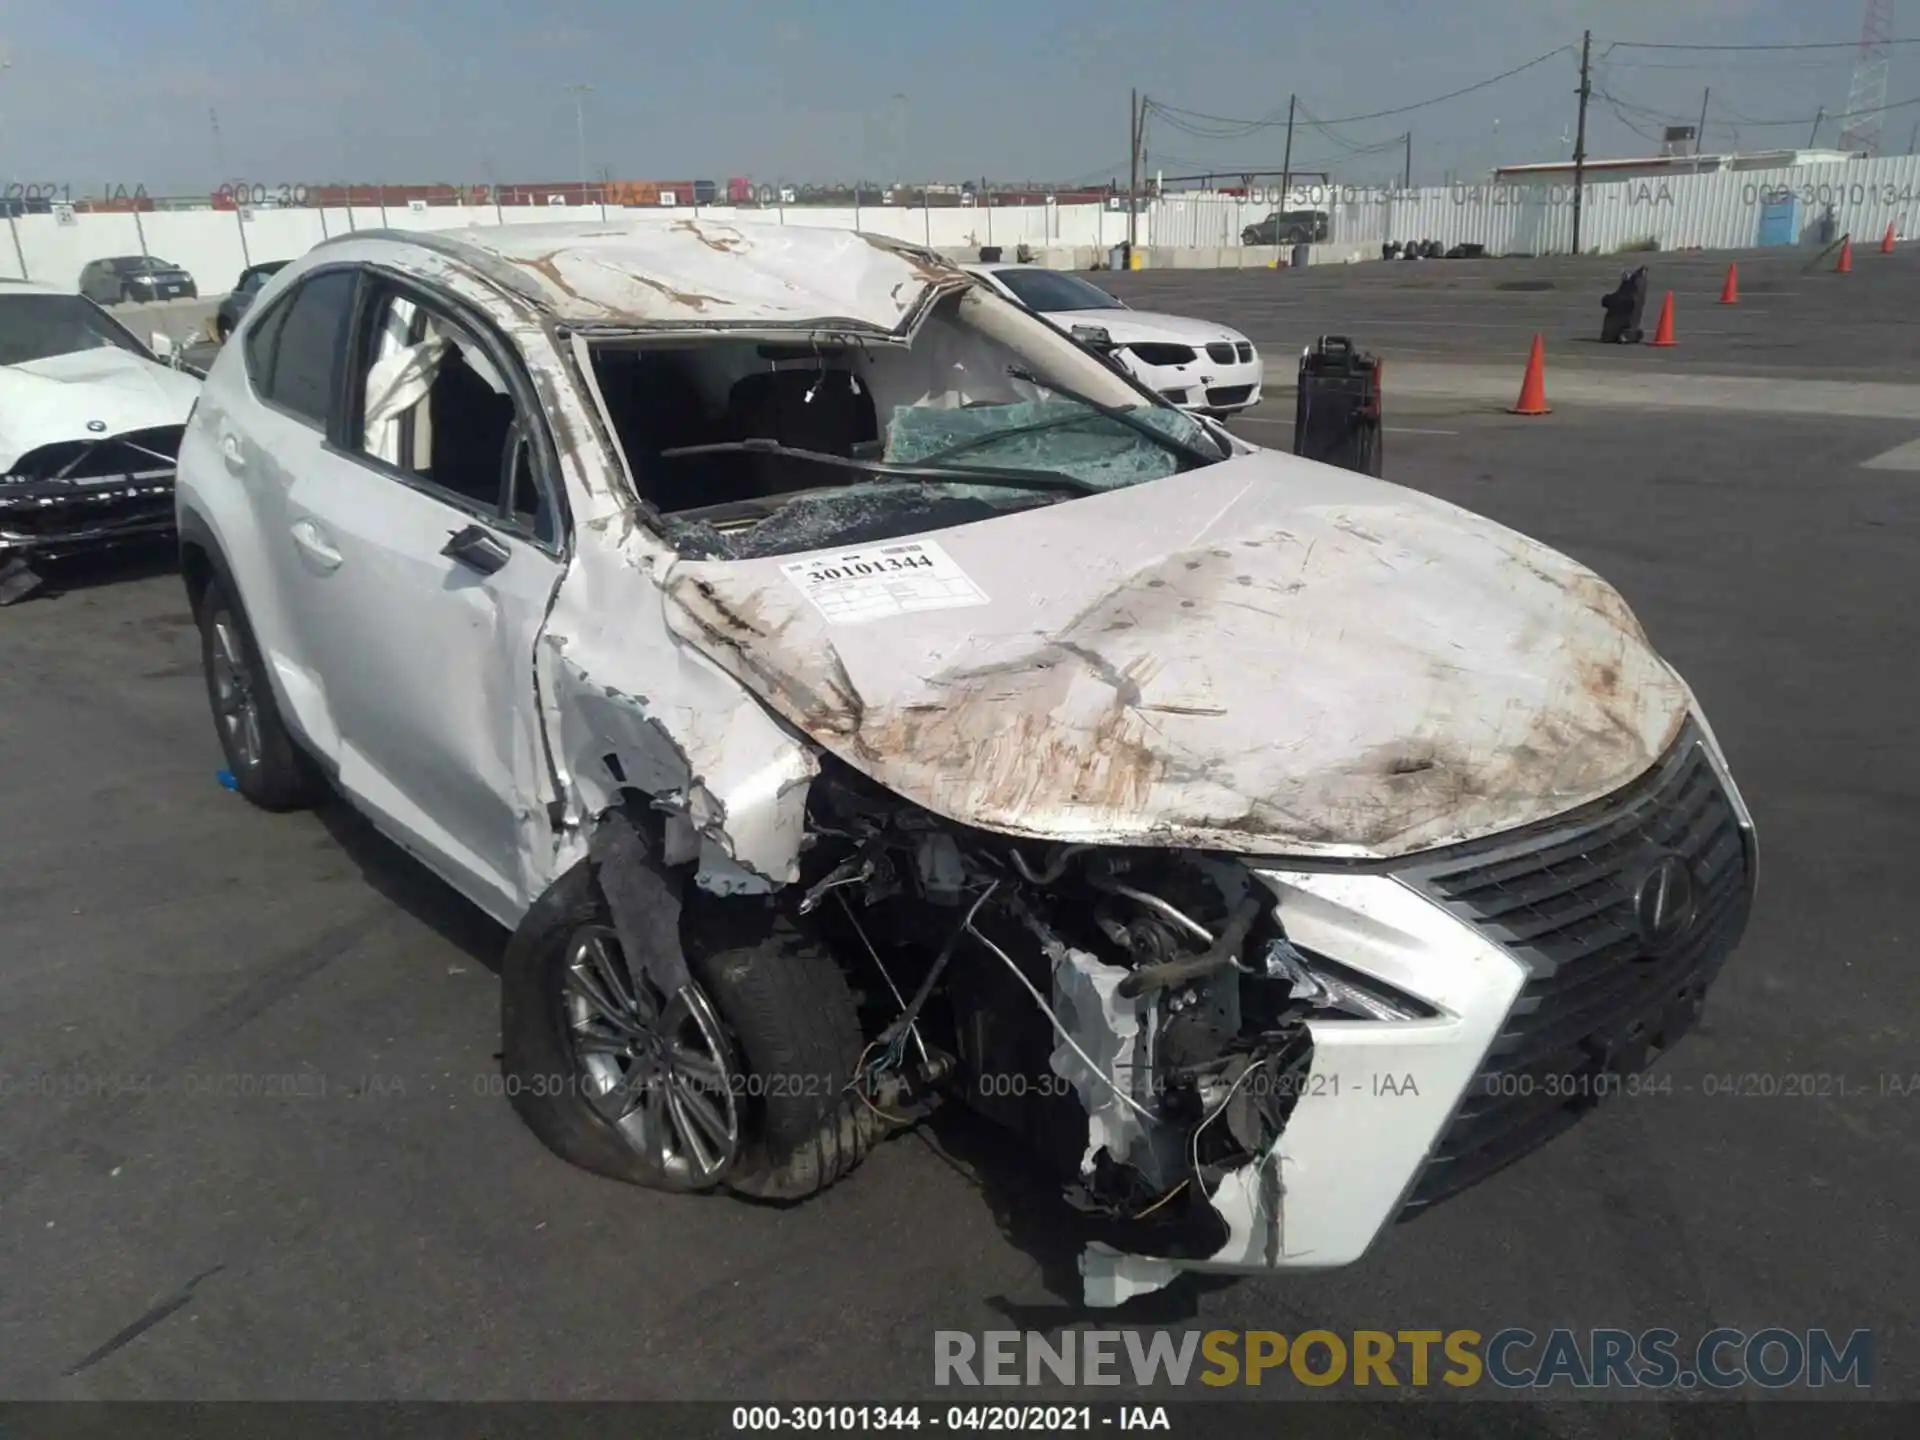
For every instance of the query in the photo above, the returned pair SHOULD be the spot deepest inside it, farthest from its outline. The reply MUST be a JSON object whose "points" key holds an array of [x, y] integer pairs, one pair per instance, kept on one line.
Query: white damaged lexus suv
{"points": [[856, 696]]}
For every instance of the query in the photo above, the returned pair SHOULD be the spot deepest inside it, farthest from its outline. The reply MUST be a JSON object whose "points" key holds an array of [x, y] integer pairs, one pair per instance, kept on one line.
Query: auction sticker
{"points": [[851, 587]]}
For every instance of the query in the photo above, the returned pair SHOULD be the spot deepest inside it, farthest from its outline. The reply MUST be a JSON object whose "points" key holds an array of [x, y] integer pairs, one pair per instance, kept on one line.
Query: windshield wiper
{"points": [[1122, 414], [1013, 478]]}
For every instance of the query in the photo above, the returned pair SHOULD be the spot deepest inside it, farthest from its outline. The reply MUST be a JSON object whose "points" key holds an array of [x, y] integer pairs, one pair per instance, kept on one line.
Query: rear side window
{"points": [[294, 352]]}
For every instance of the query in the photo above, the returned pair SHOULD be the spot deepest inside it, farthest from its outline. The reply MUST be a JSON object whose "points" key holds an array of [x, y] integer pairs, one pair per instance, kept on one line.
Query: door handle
{"points": [[313, 541], [477, 549]]}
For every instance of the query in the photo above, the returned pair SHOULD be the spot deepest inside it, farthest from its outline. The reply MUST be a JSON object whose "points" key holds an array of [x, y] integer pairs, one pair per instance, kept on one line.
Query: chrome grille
{"points": [[1597, 1003]]}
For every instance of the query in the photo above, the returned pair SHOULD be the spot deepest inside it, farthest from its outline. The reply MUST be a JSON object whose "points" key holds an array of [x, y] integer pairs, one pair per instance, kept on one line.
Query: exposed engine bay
{"points": [[1136, 1017]]}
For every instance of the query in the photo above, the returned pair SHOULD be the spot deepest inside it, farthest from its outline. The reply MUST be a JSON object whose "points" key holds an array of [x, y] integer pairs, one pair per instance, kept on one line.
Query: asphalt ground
{"points": [[1791, 320], [270, 1160]]}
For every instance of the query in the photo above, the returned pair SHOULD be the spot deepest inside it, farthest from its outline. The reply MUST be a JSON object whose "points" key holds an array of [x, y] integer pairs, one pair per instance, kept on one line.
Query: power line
{"points": [[1763, 67], [1808, 45], [1174, 115], [1823, 116]]}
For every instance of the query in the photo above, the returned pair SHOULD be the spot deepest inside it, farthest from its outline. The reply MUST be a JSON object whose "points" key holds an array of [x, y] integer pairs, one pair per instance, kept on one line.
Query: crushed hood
{"points": [[1147, 327], [1266, 656], [46, 401]]}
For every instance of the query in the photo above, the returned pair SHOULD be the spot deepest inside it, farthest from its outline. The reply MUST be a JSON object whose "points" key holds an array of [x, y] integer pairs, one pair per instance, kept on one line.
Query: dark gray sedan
{"points": [[252, 280], [135, 278]]}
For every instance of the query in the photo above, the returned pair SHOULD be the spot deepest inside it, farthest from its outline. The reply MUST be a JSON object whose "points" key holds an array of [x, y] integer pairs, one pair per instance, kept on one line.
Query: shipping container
{"points": [[740, 189]]}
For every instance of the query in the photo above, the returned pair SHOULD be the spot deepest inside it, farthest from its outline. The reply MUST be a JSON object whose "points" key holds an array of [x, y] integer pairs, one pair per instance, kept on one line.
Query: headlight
{"points": [[1333, 992]]}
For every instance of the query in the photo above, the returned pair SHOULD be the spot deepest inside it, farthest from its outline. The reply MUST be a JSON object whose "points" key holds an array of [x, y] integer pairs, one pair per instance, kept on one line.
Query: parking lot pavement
{"points": [[184, 321], [1789, 320], [268, 1158]]}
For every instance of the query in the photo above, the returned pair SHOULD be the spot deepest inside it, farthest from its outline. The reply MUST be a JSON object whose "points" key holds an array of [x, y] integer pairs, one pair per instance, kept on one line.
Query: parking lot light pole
{"points": [[1580, 135], [579, 90], [1133, 167], [1286, 165]]}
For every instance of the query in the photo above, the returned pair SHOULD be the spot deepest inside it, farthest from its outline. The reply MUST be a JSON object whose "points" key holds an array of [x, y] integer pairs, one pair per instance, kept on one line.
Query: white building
{"points": [[1560, 172]]}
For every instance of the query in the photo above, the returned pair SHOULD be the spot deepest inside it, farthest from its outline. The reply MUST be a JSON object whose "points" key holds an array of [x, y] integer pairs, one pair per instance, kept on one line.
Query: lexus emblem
{"points": [[96, 426], [1665, 904]]}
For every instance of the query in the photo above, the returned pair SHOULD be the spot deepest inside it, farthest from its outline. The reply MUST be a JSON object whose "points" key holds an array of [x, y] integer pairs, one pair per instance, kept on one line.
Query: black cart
{"points": [[1336, 416]]}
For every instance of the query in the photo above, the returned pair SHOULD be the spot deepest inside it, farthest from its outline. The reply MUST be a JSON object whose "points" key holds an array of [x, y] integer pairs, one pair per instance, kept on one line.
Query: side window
{"points": [[307, 342], [531, 512], [260, 339], [435, 407]]}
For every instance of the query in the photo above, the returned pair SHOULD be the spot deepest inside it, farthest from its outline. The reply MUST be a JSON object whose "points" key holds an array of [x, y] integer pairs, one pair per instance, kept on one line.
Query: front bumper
{"points": [[81, 496], [1548, 1001], [1203, 383]]}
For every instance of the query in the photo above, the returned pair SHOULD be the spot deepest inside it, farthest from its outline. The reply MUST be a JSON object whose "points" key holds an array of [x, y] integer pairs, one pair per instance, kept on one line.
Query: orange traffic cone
{"points": [[1730, 292], [1845, 267], [1533, 389], [1663, 332], [1886, 241]]}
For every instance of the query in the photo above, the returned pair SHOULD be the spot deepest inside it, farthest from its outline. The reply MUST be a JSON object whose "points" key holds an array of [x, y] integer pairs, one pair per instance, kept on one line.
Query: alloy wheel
{"points": [[657, 1067], [235, 700]]}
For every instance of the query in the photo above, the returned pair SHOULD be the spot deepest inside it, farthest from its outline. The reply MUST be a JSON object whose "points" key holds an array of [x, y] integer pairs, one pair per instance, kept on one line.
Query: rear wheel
{"points": [[267, 764]]}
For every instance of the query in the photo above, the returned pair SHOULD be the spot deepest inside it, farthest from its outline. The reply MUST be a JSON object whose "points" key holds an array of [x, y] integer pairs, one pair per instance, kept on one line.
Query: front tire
{"points": [[268, 766], [740, 1080]]}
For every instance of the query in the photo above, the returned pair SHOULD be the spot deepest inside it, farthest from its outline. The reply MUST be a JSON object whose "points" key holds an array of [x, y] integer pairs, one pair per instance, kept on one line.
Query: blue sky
{"points": [[113, 92]]}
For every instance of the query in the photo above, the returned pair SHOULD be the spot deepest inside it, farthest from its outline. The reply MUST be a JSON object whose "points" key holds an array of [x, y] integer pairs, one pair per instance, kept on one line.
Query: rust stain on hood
{"points": [[1330, 665], [725, 239]]}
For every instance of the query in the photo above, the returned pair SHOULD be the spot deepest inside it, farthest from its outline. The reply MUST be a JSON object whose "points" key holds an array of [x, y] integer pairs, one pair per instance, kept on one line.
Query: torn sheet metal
{"points": [[1265, 656], [637, 710]]}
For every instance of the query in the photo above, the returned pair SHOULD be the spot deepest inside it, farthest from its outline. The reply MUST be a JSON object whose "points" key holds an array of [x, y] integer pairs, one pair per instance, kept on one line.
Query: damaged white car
{"points": [[854, 695], [90, 421]]}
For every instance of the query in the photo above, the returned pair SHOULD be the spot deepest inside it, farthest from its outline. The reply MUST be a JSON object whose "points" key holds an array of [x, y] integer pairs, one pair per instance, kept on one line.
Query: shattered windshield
{"points": [[38, 327], [751, 449]]}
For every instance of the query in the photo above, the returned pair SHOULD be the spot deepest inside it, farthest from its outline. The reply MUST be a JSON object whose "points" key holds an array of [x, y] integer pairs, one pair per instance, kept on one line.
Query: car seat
{"points": [[826, 411]]}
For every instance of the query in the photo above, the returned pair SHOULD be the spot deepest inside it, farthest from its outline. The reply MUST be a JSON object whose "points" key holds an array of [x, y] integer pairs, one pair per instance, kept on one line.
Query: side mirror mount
{"points": [[1094, 337], [161, 344]]}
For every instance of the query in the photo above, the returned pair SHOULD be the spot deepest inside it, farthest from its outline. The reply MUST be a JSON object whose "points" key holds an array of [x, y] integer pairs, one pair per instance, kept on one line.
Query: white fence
{"points": [[215, 245], [1718, 211], [1722, 210]]}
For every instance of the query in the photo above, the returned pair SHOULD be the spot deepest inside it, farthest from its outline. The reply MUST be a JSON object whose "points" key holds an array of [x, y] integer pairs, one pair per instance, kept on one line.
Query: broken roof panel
{"points": [[655, 272]]}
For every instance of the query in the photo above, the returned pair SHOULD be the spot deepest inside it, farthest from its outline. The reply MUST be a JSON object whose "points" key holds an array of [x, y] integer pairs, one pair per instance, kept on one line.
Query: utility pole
{"points": [[1136, 123], [580, 91], [1580, 133], [1286, 165], [1913, 140], [1701, 134], [1406, 169], [1818, 116]]}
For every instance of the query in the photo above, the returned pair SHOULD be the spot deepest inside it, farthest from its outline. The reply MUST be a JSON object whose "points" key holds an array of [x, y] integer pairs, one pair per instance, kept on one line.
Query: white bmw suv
{"points": [[856, 696]]}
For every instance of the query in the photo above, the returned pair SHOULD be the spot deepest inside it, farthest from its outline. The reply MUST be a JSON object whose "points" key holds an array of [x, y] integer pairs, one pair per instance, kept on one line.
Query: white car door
{"points": [[428, 550]]}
